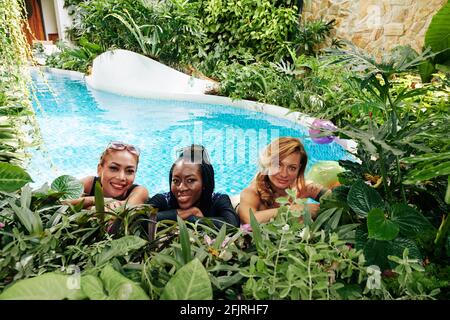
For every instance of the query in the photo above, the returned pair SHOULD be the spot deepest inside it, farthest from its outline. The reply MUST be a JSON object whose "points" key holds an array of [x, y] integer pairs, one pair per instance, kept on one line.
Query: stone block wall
{"points": [[377, 25]]}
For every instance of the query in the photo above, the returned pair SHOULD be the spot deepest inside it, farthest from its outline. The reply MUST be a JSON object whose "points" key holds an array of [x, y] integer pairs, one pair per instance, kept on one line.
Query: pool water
{"points": [[77, 123]]}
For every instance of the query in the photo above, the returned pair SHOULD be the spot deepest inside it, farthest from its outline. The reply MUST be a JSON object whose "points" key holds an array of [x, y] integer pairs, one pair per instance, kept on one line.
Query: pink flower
{"points": [[246, 228], [208, 240], [2, 225], [225, 241], [109, 226]]}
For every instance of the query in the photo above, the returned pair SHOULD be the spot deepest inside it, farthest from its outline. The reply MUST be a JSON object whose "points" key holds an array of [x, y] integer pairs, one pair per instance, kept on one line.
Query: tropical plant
{"points": [[74, 58], [437, 38], [15, 103]]}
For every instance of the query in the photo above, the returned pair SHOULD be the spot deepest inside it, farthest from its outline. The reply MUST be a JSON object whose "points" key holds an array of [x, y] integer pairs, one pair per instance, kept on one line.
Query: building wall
{"points": [[63, 19], [48, 13], [377, 25]]}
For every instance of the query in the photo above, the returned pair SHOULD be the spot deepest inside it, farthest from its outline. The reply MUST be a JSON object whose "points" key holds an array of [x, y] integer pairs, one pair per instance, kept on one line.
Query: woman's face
{"points": [[284, 175], [117, 173], [186, 184]]}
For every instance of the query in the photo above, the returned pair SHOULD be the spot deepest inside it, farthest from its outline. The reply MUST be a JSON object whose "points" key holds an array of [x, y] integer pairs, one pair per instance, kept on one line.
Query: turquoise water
{"points": [[77, 123]]}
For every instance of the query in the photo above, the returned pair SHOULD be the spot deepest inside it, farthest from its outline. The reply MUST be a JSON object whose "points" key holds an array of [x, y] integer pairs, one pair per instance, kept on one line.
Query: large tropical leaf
{"points": [[119, 287], [12, 177], [438, 34], [191, 282], [48, 286], [376, 252], [379, 227], [92, 287], [410, 221], [362, 198], [71, 186]]}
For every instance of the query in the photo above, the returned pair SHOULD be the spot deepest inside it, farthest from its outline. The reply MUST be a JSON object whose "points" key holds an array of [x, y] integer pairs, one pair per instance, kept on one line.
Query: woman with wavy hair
{"points": [[282, 166]]}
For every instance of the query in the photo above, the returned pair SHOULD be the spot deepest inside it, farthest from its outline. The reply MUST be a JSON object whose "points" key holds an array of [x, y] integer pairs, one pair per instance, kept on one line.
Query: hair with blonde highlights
{"points": [[108, 151], [274, 153]]}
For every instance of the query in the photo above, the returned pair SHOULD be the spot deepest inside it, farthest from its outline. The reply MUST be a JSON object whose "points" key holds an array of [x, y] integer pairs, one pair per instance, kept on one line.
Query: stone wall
{"points": [[377, 25]]}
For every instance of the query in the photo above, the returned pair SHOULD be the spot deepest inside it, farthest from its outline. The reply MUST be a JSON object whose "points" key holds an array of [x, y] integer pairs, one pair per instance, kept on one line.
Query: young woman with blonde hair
{"points": [[282, 166]]}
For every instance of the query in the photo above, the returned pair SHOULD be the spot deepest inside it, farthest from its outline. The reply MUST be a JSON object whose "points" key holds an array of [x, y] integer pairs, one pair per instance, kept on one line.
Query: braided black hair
{"points": [[196, 154]]}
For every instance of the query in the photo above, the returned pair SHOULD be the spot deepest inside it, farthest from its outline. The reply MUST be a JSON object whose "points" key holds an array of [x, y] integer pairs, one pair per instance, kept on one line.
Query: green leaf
{"points": [[119, 287], [428, 171], [184, 241], [379, 227], [71, 186], [191, 282], [322, 218], [410, 221], [119, 247], [256, 231], [426, 70], [99, 198], [362, 199], [399, 244], [48, 286], [447, 193], [438, 34], [12, 177], [92, 287], [220, 237]]}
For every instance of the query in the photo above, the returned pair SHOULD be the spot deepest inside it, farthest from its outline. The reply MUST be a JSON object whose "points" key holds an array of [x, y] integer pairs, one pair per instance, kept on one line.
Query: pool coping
{"points": [[273, 110]]}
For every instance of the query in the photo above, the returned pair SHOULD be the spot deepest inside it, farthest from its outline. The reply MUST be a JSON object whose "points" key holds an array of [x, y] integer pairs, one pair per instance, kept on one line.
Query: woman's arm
{"points": [[139, 195], [89, 201], [251, 200], [312, 190], [222, 210]]}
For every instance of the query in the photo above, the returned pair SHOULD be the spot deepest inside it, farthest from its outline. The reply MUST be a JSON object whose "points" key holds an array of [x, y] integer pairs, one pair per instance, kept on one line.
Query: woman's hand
{"points": [[112, 204], [186, 213]]}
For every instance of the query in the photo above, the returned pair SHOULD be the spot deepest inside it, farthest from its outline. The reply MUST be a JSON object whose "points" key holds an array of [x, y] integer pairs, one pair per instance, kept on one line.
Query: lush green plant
{"points": [[437, 38], [15, 104], [74, 58]]}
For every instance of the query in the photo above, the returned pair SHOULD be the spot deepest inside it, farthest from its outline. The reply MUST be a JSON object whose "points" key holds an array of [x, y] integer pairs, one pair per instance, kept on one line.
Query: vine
{"points": [[18, 126]]}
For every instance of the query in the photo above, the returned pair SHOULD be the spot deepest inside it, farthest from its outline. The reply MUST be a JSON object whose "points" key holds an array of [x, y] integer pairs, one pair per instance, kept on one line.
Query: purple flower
{"points": [[246, 228]]}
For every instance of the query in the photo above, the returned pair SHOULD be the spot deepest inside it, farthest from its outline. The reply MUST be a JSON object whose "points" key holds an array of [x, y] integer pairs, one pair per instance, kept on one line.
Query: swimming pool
{"points": [[77, 123]]}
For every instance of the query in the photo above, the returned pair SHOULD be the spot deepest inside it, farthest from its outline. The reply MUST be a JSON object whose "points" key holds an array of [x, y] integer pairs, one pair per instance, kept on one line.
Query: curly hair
{"points": [[275, 152]]}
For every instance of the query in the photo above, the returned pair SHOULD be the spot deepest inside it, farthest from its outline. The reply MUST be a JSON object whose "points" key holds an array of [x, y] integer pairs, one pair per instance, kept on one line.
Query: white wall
{"points": [[63, 20], [49, 17]]}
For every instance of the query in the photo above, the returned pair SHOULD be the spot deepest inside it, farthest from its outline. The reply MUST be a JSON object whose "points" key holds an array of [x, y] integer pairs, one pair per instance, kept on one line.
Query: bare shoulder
{"points": [[87, 183], [250, 194], [140, 190]]}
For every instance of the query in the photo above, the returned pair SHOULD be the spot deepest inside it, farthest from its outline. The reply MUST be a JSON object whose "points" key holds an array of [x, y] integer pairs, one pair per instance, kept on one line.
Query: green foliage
{"points": [[78, 58], [47, 286], [437, 37], [379, 227], [15, 102], [118, 248], [191, 282], [70, 186], [12, 177], [362, 199], [118, 287]]}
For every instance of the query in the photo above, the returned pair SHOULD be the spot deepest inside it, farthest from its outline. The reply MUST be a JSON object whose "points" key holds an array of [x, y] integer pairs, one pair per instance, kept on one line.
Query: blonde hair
{"points": [[275, 152], [108, 151]]}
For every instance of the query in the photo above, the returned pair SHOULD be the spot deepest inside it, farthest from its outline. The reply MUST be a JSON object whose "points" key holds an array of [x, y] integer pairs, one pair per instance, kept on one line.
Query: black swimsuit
{"points": [[92, 193]]}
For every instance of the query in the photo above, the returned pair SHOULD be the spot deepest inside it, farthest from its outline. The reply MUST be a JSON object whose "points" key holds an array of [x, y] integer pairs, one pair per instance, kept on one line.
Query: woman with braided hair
{"points": [[282, 166], [191, 193]]}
